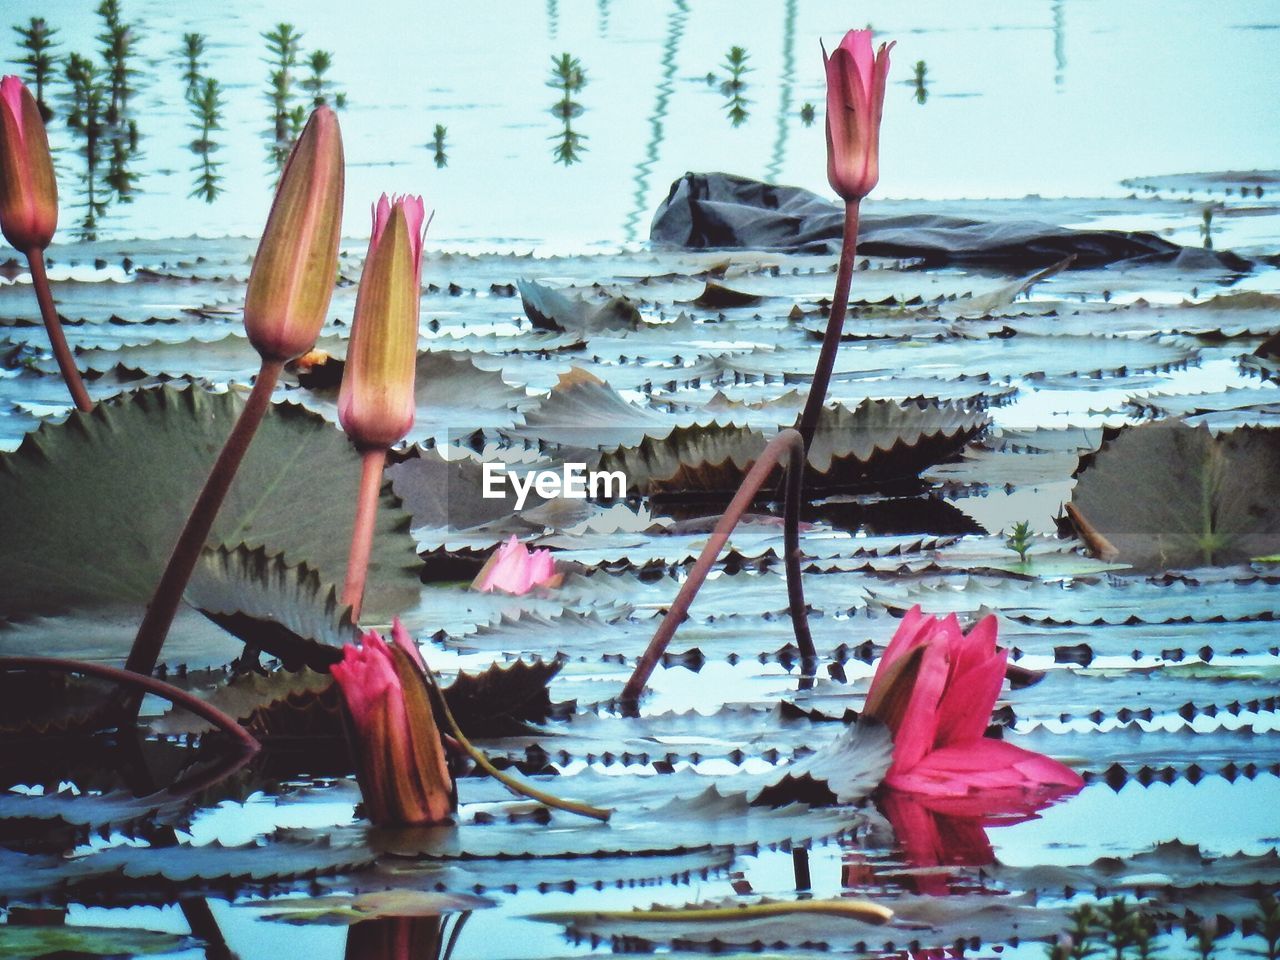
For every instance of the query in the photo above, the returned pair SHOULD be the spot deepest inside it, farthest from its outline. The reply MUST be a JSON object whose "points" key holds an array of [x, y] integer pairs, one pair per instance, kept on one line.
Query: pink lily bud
{"points": [[28, 189], [400, 763], [296, 266], [935, 688], [376, 402], [514, 569], [855, 100]]}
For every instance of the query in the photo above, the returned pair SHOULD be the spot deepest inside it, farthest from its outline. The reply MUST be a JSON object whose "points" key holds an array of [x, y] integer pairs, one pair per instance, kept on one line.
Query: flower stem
{"points": [[57, 339], [787, 443], [186, 552], [835, 325], [142, 684], [372, 464], [513, 784]]}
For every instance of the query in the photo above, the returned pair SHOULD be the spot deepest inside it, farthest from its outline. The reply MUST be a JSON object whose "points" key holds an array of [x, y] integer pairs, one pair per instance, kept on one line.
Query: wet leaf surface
{"points": [[1167, 495]]}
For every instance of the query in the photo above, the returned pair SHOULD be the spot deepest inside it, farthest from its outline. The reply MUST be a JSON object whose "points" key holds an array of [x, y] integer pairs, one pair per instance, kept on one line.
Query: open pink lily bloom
{"points": [[939, 722], [856, 77], [516, 569]]}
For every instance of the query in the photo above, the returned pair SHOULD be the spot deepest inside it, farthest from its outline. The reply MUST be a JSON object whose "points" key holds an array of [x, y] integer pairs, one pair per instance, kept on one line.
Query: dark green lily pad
{"points": [[93, 506], [1167, 495]]}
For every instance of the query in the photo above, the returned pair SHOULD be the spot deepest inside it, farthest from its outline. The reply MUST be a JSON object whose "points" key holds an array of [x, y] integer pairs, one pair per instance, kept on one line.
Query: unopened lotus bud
{"points": [[28, 189], [296, 266], [376, 402]]}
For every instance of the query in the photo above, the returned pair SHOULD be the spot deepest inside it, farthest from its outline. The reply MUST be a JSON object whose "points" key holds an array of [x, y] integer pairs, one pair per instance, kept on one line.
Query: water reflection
{"points": [[206, 107], [36, 39], [97, 109], [204, 96], [569, 77], [734, 87], [657, 118], [405, 938], [438, 145], [951, 832], [785, 82], [651, 106], [88, 101], [1059, 43], [283, 44], [922, 90]]}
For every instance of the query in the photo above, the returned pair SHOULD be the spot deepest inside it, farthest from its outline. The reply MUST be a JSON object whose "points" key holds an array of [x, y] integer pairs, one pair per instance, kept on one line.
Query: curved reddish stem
{"points": [[788, 443], [835, 326], [372, 464], [57, 339], [205, 711], [186, 552]]}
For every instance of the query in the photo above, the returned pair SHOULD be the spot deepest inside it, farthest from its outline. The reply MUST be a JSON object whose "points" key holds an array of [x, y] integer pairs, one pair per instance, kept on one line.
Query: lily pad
{"points": [[550, 309], [31, 943], [1167, 495], [93, 506]]}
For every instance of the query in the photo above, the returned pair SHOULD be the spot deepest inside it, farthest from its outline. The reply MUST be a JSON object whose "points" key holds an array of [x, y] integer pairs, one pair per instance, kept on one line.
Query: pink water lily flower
{"points": [[400, 762], [935, 687], [856, 78], [513, 568]]}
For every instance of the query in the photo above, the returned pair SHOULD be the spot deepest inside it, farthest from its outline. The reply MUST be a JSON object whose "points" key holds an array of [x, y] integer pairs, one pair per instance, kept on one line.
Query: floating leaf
{"points": [[711, 819], [849, 767], [283, 610], [357, 908], [30, 943], [501, 698], [82, 527], [1167, 495], [453, 396], [550, 309]]}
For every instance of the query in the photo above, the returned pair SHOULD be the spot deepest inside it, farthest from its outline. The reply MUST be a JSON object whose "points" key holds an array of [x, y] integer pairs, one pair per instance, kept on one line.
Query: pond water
{"points": [[1062, 98], [1158, 686]]}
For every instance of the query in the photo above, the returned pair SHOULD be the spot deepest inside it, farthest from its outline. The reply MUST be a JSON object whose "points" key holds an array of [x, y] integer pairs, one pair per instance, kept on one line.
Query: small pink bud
{"points": [[855, 100], [28, 189]]}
